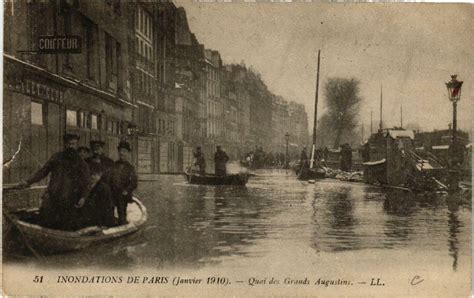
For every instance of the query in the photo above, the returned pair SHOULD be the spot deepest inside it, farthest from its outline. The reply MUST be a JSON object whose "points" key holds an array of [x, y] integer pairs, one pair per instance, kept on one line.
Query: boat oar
{"points": [[11, 218]]}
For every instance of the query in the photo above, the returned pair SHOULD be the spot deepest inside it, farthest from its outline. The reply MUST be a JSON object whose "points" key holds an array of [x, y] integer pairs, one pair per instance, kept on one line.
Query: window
{"points": [[67, 31], [71, 118], [90, 30], [82, 119], [112, 48], [94, 122], [110, 127], [36, 113]]}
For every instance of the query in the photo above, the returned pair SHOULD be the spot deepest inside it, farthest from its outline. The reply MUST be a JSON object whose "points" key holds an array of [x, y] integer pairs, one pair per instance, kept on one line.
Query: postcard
{"points": [[237, 148]]}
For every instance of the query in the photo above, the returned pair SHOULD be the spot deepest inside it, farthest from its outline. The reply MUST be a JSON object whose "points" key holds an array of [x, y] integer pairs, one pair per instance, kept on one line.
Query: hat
{"points": [[83, 148], [124, 145], [95, 144], [70, 136], [198, 148]]}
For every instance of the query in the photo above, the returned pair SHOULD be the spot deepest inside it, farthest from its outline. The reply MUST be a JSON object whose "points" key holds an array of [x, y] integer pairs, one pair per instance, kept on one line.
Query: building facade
{"points": [[47, 95]]}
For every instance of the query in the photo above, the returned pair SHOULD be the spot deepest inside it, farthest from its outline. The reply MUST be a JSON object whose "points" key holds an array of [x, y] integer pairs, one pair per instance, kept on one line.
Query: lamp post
{"points": [[287, 162], [454, 94]]}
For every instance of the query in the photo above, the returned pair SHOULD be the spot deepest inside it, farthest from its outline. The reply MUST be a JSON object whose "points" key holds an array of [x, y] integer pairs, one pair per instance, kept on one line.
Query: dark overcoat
{"points": [[69, 182]]}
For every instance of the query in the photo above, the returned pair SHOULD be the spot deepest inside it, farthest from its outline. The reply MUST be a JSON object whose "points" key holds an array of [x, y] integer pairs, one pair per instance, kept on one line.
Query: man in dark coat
{"points": [[220, 162], [68, 186], [99, 207], [98, 161], [200, 161], [304, 158], [122, 179], [326, 154]]}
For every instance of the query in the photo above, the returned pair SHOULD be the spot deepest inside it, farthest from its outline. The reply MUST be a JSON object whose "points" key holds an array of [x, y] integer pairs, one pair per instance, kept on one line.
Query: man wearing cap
{"points": [[84, 152], [220, 162], [200, 161], [98, 161], [68, 186], [122, 179]]}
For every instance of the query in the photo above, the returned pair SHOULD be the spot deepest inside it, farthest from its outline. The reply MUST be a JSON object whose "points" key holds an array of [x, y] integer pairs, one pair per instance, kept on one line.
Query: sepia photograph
{"points": [[237, 148]]}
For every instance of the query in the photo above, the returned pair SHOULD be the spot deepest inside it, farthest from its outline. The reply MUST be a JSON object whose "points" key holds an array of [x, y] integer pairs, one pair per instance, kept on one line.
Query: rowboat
{"points": [[209, 179], [57, 241], [311, 174]]}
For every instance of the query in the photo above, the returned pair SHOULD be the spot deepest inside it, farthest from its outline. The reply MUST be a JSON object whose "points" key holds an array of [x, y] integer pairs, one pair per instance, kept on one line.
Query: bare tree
{"points": [[342, 107]]}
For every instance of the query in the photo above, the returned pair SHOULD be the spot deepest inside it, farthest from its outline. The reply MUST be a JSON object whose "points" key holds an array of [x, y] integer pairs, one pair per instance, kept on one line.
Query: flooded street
{"points": [[279, 224]]}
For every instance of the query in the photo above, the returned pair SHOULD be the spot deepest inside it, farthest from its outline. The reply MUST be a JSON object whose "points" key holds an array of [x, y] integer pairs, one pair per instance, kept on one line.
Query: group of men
{"points": [[321, 156], [85, 186], [220, 161]]}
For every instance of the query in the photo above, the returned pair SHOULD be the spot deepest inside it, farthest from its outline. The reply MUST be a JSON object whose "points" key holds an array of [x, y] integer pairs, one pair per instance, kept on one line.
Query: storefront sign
{"points": [[64, 44], [38, 90]]}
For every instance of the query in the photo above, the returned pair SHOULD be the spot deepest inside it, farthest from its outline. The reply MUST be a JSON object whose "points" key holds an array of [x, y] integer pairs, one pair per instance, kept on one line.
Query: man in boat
{"points": [[98, 208], [98, 159], [304, 158], [220, 161], [200, 161], [68, 186], [122, 180], [346, 157], [84, 152]]}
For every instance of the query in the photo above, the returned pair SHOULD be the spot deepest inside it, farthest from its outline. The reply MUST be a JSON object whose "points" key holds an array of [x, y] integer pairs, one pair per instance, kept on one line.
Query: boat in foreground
{"points": [[57, 241], [209, 179]]}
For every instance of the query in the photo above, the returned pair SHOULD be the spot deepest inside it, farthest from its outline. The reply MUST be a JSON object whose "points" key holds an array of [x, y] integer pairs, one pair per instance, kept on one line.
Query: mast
{"points": [[381, 102], [370, 122], [315, 111], [401, 116]]}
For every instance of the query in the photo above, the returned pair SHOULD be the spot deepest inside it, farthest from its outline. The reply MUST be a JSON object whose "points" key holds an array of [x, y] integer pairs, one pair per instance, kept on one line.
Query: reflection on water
{"points": [[191, 226]]}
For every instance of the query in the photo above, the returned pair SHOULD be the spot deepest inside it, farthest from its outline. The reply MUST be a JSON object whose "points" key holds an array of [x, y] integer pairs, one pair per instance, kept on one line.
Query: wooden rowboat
{"points": [[57, 241], [311, 174], [209, 179]]}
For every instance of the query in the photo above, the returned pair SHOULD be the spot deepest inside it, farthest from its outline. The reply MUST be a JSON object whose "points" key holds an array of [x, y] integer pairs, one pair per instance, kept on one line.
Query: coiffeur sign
{"points": [[67, 44]]}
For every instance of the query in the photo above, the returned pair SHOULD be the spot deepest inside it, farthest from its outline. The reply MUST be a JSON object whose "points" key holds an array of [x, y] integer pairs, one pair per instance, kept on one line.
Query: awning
{"points": [[401, 134]]}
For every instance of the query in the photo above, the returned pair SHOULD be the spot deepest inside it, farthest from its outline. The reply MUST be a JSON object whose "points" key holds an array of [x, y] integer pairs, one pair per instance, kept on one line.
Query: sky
{"points": [[409, 49]]}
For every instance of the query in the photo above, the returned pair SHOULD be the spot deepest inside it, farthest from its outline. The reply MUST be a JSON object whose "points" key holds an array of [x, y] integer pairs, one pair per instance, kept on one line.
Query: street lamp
{"points": [[287, 162], [454, 94]]}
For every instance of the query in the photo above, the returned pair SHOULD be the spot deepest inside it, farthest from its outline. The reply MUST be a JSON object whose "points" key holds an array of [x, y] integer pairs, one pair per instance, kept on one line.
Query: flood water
{"points": [[277, 223]]}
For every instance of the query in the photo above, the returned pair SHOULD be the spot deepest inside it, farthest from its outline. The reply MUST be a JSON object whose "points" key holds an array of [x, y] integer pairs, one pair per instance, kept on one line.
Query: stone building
{"points": [[143, 45], [45, 95]]}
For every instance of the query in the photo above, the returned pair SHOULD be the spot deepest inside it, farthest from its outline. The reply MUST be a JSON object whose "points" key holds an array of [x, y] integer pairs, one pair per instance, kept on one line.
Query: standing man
{"points": [[122, 179], [67, 188], [220, 161], [98, 162], [304, 158], [200, 161]]}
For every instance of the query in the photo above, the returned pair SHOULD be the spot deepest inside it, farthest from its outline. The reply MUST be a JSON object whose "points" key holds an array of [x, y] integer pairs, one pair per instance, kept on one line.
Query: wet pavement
{"points": [[279, 222]]}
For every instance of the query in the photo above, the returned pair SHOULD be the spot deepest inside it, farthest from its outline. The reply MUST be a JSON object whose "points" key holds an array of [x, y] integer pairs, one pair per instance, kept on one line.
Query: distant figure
{"points": [[98, 209], [122, 179], [304, 159], [326, 154], [220, 161], [67, 188], [84, 152], [200, 161], [366, 152], [346, 158], [319, 154], [98, 161]]}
